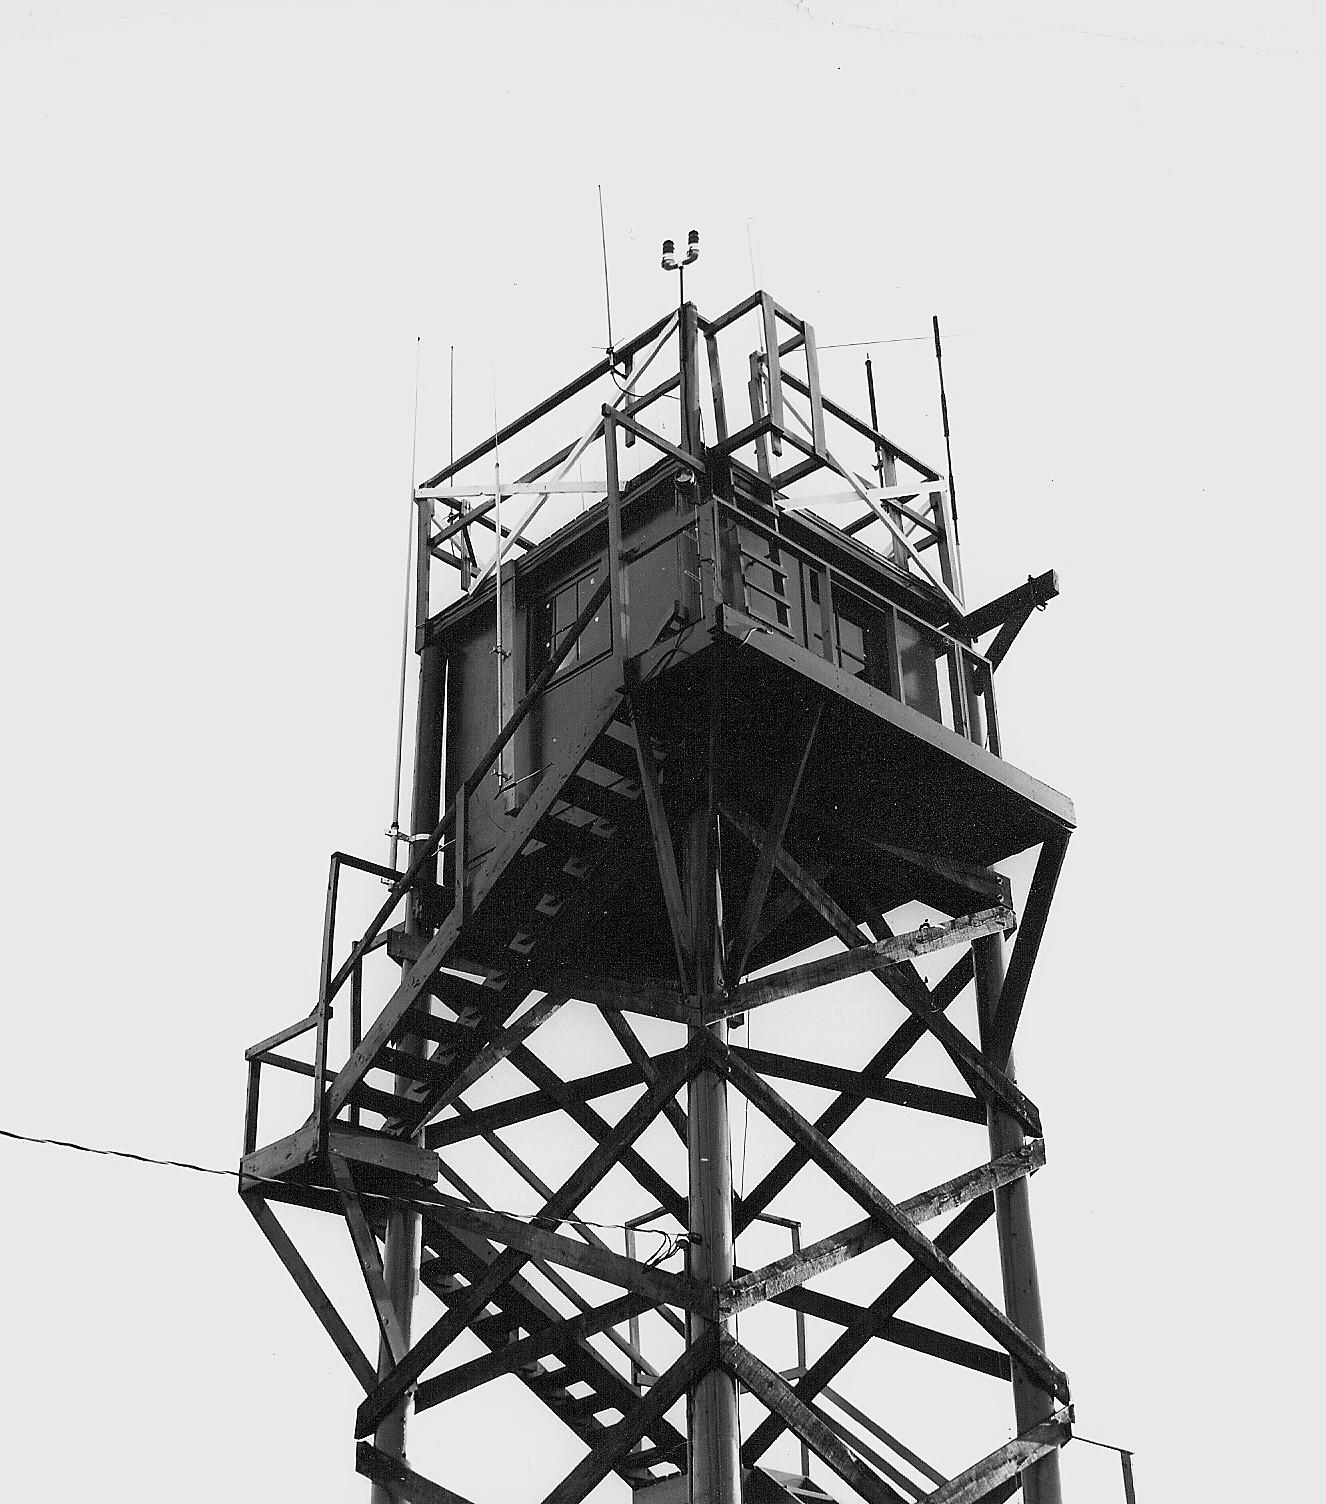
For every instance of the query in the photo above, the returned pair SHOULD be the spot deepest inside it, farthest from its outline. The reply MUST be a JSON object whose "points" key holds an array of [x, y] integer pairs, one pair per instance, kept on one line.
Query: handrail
{"points": [[283, 1036], [331, 985]]}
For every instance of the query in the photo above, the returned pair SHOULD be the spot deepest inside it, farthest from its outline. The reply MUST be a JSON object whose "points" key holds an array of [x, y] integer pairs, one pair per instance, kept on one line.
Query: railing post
{"points": [[356, 1021], [618, 589], [716, 388], [324, 1000], [251, 1108], [816, 399], [774, 367], [688, 359]]}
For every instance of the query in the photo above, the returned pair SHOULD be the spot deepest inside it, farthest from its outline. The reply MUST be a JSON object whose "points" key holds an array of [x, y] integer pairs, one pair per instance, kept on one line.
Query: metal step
{"points": [[616, 753], [523, 1305]]}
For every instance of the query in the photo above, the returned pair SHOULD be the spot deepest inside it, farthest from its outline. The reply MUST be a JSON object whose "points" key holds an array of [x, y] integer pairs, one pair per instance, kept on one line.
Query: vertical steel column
{"points": [[400, 1259], [715, 1463], [1017, 1253]]}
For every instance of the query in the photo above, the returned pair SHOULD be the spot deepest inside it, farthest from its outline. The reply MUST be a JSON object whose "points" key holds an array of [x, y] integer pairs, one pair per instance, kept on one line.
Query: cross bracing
{"points": [[771, 766]]}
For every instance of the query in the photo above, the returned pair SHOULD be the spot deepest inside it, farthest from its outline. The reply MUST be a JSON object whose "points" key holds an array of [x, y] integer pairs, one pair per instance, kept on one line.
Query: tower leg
{"points": [[401, 1269], [715, 1463], [401, 1251], [1017, 1252]]}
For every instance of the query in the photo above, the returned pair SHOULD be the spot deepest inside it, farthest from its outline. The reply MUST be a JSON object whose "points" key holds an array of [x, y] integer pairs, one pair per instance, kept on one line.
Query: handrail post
{"points": [[356, 1021], [324, 999], [251, 1107], [618, 590], [459, 851]]}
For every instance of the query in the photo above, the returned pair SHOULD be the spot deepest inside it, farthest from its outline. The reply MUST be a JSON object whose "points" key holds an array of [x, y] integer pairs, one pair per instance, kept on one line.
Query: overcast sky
{"points": [[224, 228]]}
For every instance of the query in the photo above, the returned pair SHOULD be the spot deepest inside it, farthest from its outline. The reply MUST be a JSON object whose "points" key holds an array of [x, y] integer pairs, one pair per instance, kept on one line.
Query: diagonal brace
{"points": [[444, 1332], [818, 1258], [905, 1232]]}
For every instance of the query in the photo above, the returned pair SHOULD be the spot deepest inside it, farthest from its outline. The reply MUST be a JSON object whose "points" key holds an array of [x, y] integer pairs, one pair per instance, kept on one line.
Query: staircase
{"points": [[576, 1383], [521, 902]]}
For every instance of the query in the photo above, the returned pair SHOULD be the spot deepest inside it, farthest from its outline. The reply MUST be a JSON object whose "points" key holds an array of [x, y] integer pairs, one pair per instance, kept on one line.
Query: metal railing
{"points": [[810, 602], [454, 823]]}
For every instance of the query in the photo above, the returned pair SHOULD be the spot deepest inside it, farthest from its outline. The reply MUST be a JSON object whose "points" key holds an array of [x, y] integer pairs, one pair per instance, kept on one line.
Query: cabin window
{"points": [[764, 576], [551, 618], [863, 640]]}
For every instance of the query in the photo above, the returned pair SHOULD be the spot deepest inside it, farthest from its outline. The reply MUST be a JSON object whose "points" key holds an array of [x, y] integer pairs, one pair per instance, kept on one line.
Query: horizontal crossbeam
{"points": [[1003, 1465], [661, 1287], [870, 956], [444, 1332], [903, 1039], [868, 1084], [871, 1323], [905, 1232], [787, 1273], [405, 1484]]}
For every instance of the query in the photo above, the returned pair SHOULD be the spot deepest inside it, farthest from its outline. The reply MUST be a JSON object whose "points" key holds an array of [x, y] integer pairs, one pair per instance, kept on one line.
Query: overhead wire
{"points": [[672, 1242]]}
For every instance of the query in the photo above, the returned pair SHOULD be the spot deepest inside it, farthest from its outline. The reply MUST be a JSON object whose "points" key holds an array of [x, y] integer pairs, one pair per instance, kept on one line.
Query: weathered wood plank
{"points": [[868, 956], [849, 1342], [869, 1085], [656, 997], [909, 1033], [1013, 994], [819, 1257], [979, 1480], [444, 1331], [370, 1258], [404, 1483], [985, 1079], [946, 1274], [660, 1286]]}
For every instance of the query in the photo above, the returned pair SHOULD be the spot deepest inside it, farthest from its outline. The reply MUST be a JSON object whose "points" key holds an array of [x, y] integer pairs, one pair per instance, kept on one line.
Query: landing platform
{"points": [[892, 806]]}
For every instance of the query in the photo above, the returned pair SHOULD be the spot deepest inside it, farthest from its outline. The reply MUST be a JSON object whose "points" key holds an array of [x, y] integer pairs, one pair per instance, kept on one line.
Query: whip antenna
{"points": [[394, 831], [943, 407], [607, 295]]}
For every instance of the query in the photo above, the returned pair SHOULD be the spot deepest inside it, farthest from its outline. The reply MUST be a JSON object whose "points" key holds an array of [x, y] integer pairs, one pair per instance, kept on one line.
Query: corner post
{"points": [[401, 1251], [1041, 1482], [688, 355], [619, 597], [715, 1462]]}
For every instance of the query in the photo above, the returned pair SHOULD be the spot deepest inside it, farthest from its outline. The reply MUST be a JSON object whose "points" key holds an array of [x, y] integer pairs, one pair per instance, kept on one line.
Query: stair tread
{"points": [[417, 1067], [610, 1389], [614, 753], [599, 799], [443, 1031]]}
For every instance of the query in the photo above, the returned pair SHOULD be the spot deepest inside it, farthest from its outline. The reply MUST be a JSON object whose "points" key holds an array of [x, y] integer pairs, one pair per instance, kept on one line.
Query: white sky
{"points": [[224, 227]]}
